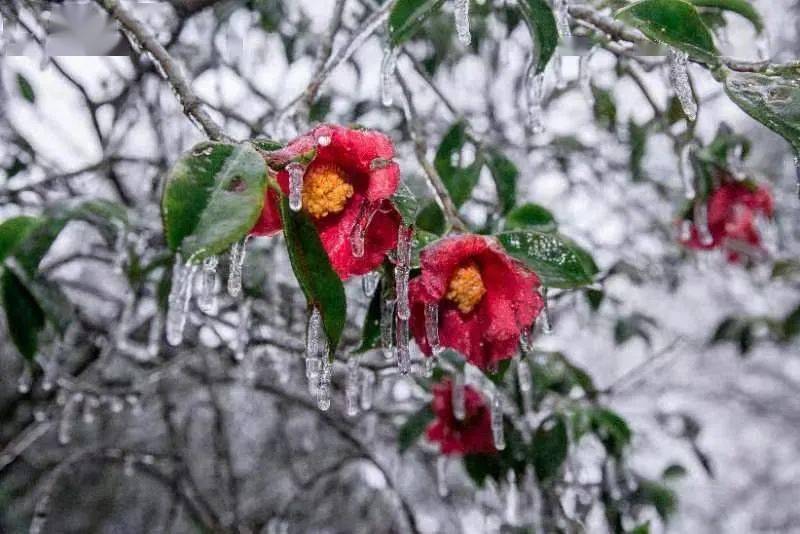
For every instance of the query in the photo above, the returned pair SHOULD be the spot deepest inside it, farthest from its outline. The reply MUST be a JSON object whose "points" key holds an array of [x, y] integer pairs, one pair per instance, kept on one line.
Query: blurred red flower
{"points": [[732, 211], [346, 191], [473, 435], [485, 298]]}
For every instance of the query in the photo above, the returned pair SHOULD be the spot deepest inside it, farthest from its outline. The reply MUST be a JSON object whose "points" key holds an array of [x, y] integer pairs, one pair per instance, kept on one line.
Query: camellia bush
{"points": [[384, 266]]}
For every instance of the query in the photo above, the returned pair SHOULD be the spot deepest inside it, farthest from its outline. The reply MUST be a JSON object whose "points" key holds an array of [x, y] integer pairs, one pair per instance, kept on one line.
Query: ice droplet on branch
{"points": [[432, 326], [351, 387], [237, 256], [459, 406], [497, 422], [359, 232], [388, 66], [402, 269], [207, 301], [296, 172], [461, 12], [534, 93], [679, 79], [179, 296]]}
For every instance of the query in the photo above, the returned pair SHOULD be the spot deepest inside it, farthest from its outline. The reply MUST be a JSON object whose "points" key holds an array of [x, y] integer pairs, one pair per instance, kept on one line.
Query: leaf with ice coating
{"points": [[542, 24], [27, 318], [13, 231], [458, 179], [549, 447], [406, 203], [320, 283], [212, 198], [742, 7], [771, 100], [557, 261], [407, 16], [675, 23], [531, 217]]}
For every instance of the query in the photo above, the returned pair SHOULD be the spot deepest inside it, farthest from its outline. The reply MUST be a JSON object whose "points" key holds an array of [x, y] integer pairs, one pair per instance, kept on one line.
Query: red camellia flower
{"points": [[346, 190], [472, 435], [485, 298], [732, 210]]}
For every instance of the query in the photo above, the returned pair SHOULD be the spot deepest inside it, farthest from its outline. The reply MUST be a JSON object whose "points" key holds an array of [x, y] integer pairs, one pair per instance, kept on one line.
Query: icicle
{"points": [[402, 269], [25, 380], [497, 422], [585, 76], [313, 368], [89, 409], [388, 66], [686, 230], [120, 252], [534, 92], [432, 326], [367, 389], [562, 18], [558, 71], [207, 301], [296, 172], [314, 335], [237, 256], [154, 335], [324, 386], [242, 331], [512, 499], [701, 223], [179, 296], [71, 408], [369, 282], [128, 464], [351, 388], [402, 349], [387, 318], [359, 232], [461, 11], [687, 171], [459, 406], [430, 365], [679, 79], [441, 476], [547, 326], [524, 376]]}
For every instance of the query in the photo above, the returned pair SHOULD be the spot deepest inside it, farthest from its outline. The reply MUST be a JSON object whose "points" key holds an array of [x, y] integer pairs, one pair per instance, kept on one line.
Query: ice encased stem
{"points": [[432, 326], [387, 318], [461, 12], [402, 269], [534, 93], [679, 79], [296, 171], [401, 346]]}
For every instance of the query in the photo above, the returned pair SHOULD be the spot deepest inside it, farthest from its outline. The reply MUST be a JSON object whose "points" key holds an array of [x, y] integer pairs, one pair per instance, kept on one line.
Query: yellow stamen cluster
{"points": [[325, 190], [466, 287]]}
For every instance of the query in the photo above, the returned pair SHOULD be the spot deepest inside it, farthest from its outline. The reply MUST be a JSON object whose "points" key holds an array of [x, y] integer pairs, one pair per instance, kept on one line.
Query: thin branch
{"points": [[142, 38]]}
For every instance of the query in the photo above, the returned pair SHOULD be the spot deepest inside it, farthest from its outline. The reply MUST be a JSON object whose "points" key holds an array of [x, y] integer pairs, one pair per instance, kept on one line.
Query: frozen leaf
{"points": [[530, 217], [458, 179], [549, 447], [541, 22], [741, 7], [407, 17], [556, 260]]}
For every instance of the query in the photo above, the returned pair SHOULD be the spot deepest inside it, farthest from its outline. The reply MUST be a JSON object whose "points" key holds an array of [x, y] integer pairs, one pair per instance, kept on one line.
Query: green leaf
{"points": [[25, 89], [774, 101], [604, 108], [371, 330], [414, 427], [673, 471], [419, 241], [595, 298], [431, 219], [544, 32], [320, 283], [212, 198], [556, 260], [406, 204], [24, 317], [549, 447], [791, 325], [505, 174], [407, 17], [13, 231], [742, 7], [459, 181], [675, 23], [644, 528], [658, 496], [612, 430], [49, 297], [530, 217]]}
